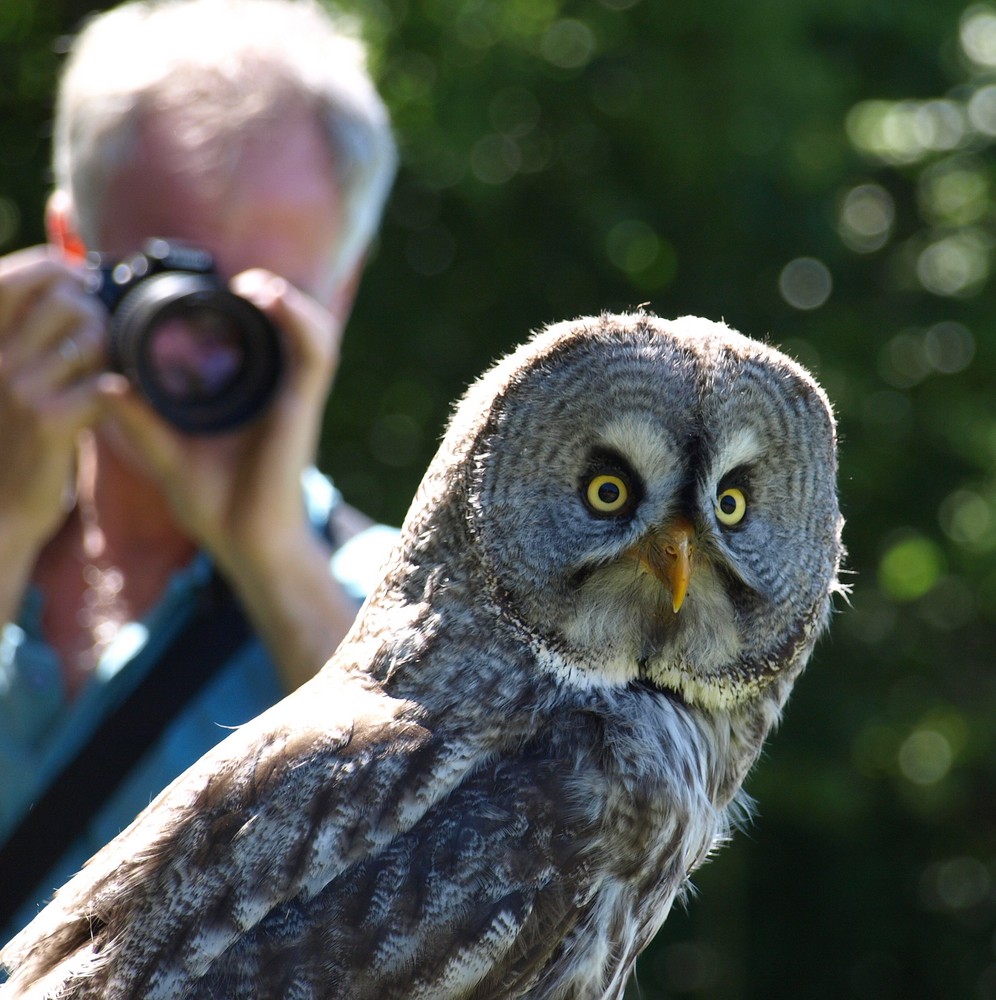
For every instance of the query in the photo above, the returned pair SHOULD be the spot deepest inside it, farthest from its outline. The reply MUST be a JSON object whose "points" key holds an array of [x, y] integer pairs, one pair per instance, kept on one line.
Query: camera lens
{"points": [[206, 359]]}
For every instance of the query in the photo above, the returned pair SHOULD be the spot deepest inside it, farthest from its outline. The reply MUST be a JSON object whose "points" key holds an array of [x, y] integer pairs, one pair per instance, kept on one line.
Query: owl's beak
{"points": [[667, 554]]}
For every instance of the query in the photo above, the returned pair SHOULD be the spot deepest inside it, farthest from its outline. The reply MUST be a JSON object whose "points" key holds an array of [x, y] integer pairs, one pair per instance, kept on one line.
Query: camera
{"points": [[207, 360]]}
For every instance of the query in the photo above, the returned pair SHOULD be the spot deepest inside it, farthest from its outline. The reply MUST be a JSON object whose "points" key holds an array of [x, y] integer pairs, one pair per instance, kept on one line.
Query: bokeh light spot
{"points": [[954, 192], [902, 362], [977, 34], [901, 132], [495, 159], [967, 519], [955, 884], [647, 260], [805, 283], [568, 44], [955, 265], [866, 218], [632, 245], [912, 355], [941, 124], [884, 130], [949, 347], [982, 110], [911, 568], [925, 757]]}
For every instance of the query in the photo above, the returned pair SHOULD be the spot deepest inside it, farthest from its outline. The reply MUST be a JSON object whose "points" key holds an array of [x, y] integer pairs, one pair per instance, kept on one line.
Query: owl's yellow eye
{"points": [[607, 494], [731, 505]]}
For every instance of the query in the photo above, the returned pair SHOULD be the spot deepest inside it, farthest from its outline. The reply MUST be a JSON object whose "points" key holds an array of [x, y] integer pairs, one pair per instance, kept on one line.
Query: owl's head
{"points": [[654, 500]]}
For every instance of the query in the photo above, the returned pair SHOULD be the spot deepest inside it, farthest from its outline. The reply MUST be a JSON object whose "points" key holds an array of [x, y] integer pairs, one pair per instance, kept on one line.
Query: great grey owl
{"points": [[614, 569]]}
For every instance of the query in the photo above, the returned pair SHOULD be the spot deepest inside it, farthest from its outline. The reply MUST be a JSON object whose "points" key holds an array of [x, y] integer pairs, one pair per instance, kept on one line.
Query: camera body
{"points": [[207, 360]]}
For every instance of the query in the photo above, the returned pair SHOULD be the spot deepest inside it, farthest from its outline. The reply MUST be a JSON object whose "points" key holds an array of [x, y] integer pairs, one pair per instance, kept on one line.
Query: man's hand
{"points": [[52, 355]]}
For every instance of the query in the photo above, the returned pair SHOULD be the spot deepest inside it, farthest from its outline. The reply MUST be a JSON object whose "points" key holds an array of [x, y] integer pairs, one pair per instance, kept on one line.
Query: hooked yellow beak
{"points": [[667, 554]]}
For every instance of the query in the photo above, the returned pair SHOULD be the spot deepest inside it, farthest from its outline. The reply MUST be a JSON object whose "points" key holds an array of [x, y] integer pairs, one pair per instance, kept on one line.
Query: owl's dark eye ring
{"points": [[731, 507], [607, 493]]}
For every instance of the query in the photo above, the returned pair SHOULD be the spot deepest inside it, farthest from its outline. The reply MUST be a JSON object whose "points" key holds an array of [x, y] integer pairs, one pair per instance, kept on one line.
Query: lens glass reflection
{"points": [[195, 355]]}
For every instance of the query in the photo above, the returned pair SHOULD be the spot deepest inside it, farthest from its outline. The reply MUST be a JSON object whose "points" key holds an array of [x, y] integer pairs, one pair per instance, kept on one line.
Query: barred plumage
{"points": [[541, 720]]}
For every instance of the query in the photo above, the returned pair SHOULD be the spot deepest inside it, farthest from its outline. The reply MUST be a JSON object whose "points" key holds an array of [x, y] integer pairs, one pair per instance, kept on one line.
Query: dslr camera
{"points": [[207, 360]]}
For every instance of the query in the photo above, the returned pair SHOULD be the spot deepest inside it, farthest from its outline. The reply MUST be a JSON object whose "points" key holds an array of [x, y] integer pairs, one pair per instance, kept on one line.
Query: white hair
{"points": [[226, 67]]}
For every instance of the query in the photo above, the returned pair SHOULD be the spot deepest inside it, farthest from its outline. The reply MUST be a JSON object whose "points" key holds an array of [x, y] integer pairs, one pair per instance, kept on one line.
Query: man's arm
{"points": [[301, 610]]}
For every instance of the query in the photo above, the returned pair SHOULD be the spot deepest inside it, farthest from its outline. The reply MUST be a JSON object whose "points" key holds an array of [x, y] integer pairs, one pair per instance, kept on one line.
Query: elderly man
{"points": [[248, 129]]}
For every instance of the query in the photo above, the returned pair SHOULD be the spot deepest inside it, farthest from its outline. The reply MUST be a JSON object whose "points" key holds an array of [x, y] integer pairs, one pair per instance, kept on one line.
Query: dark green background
{"points": [[561, 158]]}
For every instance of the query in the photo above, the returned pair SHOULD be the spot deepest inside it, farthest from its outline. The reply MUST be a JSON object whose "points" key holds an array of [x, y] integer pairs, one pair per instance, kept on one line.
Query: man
{"points": [[250, 129]]}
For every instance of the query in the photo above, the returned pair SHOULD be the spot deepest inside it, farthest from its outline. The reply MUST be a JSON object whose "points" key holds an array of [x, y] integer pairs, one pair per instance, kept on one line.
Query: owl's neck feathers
{"points": [[732, 730], [531, 686]]}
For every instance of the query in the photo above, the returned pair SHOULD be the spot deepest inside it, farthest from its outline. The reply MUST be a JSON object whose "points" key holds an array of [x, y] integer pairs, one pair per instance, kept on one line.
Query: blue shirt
{"points": [[41, 730]]}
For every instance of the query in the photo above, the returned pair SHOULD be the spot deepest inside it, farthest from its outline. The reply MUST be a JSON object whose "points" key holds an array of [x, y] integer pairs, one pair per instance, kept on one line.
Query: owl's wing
{"points": [[368, 860], [275, 812], [480, 898]]}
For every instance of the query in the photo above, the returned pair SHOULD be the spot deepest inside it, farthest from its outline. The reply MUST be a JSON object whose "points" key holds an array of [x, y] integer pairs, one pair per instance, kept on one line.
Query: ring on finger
{"points": [[70, 352]]}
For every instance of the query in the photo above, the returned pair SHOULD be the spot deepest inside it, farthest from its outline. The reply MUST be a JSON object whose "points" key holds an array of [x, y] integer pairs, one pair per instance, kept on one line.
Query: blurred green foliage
{"points": [[817, 172]]}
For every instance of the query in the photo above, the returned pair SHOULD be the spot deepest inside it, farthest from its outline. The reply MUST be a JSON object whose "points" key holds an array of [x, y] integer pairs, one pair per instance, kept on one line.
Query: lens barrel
{"points": [[206, 359]]}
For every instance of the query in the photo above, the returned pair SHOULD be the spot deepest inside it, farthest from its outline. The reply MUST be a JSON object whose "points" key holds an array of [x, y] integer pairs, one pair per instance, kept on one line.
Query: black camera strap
{"points": [[216, 630]]}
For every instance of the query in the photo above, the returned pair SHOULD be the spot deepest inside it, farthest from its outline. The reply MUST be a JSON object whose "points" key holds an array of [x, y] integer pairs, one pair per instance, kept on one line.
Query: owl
{"points": [[611, 575]]}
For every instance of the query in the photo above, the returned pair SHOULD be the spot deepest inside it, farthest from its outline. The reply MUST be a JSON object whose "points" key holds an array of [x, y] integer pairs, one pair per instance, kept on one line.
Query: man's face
{"points": [[278, 209]]}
